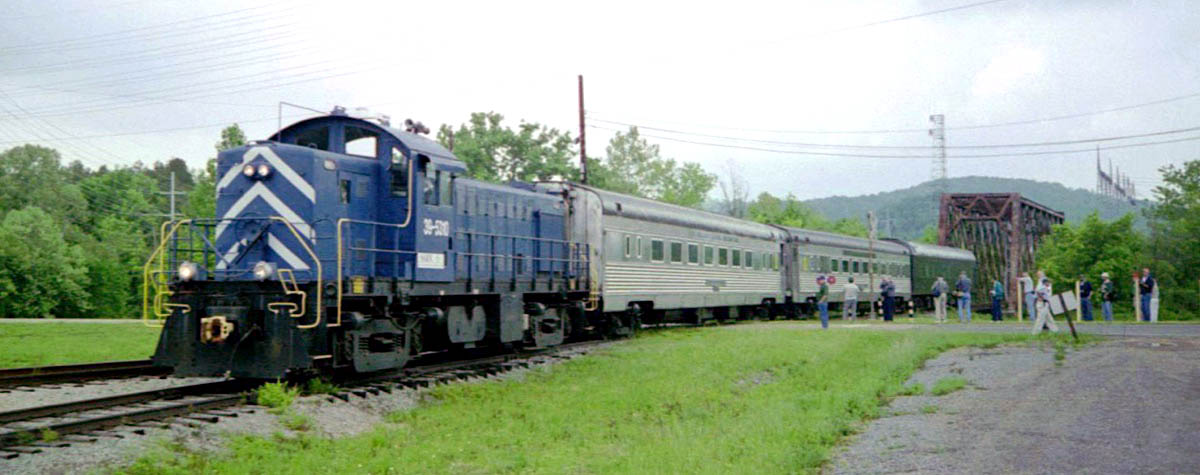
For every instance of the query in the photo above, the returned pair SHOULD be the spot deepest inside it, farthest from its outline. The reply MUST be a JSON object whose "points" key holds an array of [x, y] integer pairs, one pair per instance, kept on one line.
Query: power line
{"points": [[922, 130], [922, 157], [915, 147]]}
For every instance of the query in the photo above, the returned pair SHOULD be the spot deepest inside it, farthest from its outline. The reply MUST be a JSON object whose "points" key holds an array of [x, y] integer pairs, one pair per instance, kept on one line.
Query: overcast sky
{"points": [[114, 81]]}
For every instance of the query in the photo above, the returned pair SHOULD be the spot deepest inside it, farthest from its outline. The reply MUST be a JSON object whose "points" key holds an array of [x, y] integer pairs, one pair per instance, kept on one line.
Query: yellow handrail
{"points": [[149, 308], [316, 262]]}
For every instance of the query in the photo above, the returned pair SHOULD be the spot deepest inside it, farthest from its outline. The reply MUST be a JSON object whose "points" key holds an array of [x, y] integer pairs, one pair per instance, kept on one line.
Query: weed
{"points": [[320, 386], [25, 438], [49, 435], [948, 385], [277, 396], [913, 390], [296, 421], [929, 409]]}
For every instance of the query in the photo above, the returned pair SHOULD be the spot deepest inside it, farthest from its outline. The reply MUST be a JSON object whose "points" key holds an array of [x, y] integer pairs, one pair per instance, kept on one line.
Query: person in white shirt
{"points": [[850, 301], [1044, 293]]}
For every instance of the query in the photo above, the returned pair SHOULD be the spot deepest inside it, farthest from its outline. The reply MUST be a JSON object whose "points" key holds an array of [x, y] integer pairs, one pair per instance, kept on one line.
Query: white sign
{"points": [[1069, 301], [431, 260], [438, 227]]}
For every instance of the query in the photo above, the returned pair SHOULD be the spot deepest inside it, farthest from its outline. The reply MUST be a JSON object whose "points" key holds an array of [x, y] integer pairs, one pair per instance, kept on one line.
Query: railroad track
{"points": [[34, 429], [38, 375]]}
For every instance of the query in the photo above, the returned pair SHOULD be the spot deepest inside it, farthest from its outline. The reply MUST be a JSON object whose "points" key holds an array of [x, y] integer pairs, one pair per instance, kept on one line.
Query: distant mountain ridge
{"points": [[905, 213]]}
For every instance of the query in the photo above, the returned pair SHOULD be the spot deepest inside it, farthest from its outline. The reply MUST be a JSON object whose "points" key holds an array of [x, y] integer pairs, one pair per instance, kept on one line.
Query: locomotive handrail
{"points": [[147, 274], [316, 261]]}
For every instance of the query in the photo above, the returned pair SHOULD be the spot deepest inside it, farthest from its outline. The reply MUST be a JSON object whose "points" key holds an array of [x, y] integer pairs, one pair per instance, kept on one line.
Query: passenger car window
{"points": [[708, 255], [361, 142], [723, 257], [628, 245], [693, 253], [677, 252], [639, 247], [656, 250], [749, 259], [855, 267], [736, 260], [845, 266]]}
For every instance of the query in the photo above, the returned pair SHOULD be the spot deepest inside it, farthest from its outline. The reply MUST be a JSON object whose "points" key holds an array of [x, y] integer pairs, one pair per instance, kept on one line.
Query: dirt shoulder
{"points": [[1125, 405]]}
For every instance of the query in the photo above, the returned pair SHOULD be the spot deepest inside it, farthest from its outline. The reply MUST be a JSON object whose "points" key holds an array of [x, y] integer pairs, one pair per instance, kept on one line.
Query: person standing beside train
{"points": [[1044, 317], [888, 290], [941, 291], [850, 301], [1108, 291], [823, 301], [1027, 291], [997, 298], [963, 290], [1085, 298], [1146, 291]]}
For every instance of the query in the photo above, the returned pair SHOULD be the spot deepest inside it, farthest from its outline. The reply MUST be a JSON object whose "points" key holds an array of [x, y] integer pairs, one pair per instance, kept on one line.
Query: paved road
{"points": [[1125, 405]]}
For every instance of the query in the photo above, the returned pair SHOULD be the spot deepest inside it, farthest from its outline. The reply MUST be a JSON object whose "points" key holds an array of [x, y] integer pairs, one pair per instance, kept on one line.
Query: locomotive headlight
{"points": [[248, 170], [263, 170], [188, 271], [263, 270]]}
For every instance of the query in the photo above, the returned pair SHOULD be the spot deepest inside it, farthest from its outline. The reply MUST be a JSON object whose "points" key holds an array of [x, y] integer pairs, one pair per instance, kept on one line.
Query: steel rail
{"points": [[12, 377]]}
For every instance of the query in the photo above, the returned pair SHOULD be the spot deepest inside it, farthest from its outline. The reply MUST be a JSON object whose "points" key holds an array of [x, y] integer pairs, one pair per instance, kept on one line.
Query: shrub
{"points": [[946, 386]]}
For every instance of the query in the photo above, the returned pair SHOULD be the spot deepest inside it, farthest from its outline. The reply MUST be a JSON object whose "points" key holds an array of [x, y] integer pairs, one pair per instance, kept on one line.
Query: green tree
{"points": [[634, 166], [39, 270], [791, 212], [33, 175], [929, 235], [1090, 248], [497, 153], [114, 260], [1173, 248]]}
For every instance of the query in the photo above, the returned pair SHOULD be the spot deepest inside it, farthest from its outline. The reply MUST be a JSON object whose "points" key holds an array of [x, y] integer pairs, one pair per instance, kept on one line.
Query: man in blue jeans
{"points": [[1107, 292], [823, 301], [1146, 288], [1085, 298], [963, 287]]}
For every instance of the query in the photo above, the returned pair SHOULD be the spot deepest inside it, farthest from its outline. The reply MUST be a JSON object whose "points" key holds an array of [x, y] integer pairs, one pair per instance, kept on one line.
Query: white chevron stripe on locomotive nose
{"points": [[273, 243], [259, 190], [280, 167]]}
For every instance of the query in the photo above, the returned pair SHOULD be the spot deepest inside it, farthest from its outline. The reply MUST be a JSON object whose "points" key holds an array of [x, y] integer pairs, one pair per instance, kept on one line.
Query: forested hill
{"points": [[907, 212]]}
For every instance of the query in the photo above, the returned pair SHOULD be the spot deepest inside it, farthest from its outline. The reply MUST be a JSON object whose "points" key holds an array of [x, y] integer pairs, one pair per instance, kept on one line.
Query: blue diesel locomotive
{"points": [[344, 244]]}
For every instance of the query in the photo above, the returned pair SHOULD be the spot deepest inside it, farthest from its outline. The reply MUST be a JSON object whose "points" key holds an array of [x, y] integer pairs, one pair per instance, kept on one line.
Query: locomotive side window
{"points": [[399, 173], [429, 186], [723, 257], [693, 254], [676, 252], [656, 250], [361, 142], [708, 255], [445, 188], [316, 137], [344, 191]]}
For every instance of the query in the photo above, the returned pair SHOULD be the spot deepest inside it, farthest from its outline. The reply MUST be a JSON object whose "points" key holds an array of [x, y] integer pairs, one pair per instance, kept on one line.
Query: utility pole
{"points": [[171, 216], [871, 236], [583, 175]]}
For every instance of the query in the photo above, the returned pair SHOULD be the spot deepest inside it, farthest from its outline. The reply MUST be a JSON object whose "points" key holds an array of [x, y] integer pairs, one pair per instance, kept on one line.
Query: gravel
{"points": [[329, 419], [61, 393], [1127, 405]]}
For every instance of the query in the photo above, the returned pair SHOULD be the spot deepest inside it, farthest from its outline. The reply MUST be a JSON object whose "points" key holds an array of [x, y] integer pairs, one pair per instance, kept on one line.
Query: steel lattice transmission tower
{"points": [[938, 132]]}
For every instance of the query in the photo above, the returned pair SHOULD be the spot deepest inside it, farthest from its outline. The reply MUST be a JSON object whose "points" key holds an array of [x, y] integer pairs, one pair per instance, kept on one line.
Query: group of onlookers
{"points": [[1036, 298]]}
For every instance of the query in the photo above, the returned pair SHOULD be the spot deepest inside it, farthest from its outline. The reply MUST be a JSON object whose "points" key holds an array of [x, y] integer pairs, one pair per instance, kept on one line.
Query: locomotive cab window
{"points": [[676, 252], [344, 191], [445, 188], [399, 173], [361, 142], [429, 187], [656, 250], [316, 137]]}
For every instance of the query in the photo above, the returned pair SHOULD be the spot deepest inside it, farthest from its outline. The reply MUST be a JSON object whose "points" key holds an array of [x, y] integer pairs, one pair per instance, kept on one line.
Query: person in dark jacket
{"points": [[888, 290], [1085, 298], [1108, 291], [997, 299], [963, 291], [1146, 290]]}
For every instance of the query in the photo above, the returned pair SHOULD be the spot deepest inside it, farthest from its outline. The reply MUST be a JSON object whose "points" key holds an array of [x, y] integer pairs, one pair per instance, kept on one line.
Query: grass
{"points": [[320, 386], [278, 396], [948, 385], [66, 342], [914, 390], [708, 400], [929, 409]]}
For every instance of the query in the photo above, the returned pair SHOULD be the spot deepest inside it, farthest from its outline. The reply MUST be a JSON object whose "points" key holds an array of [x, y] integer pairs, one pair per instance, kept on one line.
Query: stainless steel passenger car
{"points": [[811, 254], [671, 263]]}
